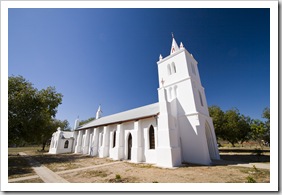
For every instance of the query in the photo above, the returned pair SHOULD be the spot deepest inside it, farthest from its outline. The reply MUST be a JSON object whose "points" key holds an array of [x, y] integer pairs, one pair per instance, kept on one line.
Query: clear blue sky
{"points": [[108, 56]]}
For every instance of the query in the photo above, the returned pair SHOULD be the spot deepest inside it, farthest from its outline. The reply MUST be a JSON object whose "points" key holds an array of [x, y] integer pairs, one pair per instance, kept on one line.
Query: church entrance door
{"points": [[129, 146]]}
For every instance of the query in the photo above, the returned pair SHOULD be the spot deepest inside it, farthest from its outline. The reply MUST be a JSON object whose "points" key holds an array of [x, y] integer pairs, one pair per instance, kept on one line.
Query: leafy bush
{"points": [[250, 180], [118, 177]]}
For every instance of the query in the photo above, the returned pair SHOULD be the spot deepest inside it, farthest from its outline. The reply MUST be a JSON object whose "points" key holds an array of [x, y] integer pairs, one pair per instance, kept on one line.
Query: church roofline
{"points": [[129, 115]]}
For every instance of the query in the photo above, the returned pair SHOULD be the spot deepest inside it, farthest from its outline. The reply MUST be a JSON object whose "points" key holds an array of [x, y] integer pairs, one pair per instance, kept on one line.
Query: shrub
{"points": [[250, 180], [118, 177]]}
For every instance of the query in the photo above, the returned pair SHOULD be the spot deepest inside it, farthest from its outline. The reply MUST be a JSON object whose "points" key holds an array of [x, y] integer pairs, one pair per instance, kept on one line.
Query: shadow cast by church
{"points": [[234, 159], [244, 158]]}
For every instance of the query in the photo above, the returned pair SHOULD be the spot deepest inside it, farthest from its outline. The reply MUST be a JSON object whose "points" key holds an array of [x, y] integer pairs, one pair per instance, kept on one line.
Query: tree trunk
{"points": [[43, 145], [242, 143]]}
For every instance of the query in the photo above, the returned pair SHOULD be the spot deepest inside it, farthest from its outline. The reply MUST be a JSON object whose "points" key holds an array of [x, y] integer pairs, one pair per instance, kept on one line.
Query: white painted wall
{"points": [[58, 142], [184, 114], [184, 131]]}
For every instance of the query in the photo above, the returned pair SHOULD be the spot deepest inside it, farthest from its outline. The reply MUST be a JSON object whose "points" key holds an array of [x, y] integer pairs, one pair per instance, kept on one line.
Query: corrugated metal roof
{"points": [[137, 113]]}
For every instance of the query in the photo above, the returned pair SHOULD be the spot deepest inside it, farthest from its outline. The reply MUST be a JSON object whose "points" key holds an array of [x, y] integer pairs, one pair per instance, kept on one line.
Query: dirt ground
{"points": [[140, 173], [126, 172]]}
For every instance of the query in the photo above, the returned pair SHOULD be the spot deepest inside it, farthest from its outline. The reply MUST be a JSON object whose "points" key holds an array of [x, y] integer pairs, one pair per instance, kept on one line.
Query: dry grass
{"points": [[133, 173], [140, 173]]}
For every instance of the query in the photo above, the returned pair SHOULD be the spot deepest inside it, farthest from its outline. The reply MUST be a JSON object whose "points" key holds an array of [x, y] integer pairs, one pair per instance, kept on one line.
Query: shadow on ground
{"points": [[19, 165], [245, 159], [234, 159]]}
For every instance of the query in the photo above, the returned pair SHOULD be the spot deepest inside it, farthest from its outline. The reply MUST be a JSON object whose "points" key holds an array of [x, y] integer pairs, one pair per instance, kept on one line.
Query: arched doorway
{"points": [[210, 141], [129, 146]]}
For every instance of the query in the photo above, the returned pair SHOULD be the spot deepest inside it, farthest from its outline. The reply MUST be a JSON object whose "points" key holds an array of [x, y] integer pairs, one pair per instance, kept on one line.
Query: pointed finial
{"points": [[98, 113], [172, 35], [76, 123], [161, 57], [174, 46], [181, 45]]}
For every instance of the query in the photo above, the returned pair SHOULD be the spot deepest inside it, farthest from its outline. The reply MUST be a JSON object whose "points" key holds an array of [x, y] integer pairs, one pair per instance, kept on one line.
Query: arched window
{"points": [[201, 99], [114, 139], [168, 70], [66, 144], [152, 137], [173, 67]]}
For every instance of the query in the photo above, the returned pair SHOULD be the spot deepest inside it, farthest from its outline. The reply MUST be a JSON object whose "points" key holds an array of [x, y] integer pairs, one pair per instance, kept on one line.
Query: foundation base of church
{"points": [[118, 154], [77, 149], [85, 150], [169, 157], [104, 152], [136, 154]]}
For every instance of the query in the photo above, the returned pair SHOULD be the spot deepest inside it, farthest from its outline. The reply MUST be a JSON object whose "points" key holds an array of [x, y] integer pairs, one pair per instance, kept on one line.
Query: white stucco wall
{"points": [[183, 130], [58, 140], [103, 145]]}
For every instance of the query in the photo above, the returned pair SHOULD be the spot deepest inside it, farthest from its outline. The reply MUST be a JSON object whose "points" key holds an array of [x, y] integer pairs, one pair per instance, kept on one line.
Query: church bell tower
{"points": [[185, 127]]}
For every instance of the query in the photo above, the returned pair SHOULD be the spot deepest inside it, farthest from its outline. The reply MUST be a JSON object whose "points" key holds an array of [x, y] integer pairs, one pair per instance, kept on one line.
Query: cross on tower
{"points": [[162, 81]]}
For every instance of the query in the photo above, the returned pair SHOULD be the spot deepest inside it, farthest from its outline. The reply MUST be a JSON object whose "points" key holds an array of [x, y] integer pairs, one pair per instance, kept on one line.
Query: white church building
{"points": [[175, 130]]}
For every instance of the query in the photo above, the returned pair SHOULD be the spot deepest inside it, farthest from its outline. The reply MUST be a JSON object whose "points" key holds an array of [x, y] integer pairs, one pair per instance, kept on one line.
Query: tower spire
{"points": [[174, 46]]}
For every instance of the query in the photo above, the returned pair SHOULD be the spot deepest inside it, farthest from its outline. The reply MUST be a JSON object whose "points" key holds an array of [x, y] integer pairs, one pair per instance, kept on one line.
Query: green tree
{"points": [[266, 115], [244, 125], [50, 128], [82, 122], [21, 98], [258, 131], [218, 120], [30, 112], [237, 127]]}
